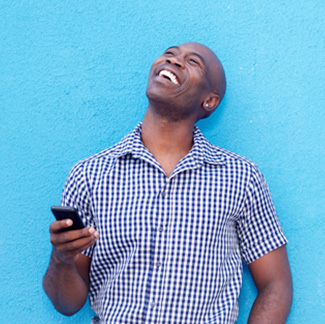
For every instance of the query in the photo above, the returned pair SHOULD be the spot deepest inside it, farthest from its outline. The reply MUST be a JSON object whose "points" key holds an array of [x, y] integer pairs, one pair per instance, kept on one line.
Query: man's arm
{"points": [[272, 277], [66, 281]]}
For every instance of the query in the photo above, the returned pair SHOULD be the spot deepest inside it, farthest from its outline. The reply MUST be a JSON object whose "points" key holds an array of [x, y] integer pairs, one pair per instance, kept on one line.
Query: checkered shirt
{"points": [[170, 250]]}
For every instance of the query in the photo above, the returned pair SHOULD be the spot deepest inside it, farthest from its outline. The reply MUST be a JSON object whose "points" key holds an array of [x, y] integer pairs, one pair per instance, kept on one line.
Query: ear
{"points": [[211, 103]]}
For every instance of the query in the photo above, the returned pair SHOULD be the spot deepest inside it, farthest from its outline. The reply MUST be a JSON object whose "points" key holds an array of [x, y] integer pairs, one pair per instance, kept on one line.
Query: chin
{"points": [[156, 96]]}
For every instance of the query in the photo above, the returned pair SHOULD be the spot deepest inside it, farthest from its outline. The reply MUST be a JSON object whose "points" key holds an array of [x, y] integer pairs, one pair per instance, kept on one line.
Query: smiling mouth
{"points": [[169, 76]]}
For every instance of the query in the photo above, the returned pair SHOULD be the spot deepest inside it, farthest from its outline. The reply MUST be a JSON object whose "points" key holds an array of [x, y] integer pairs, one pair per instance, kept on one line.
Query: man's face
{"points": [[179, 79]]}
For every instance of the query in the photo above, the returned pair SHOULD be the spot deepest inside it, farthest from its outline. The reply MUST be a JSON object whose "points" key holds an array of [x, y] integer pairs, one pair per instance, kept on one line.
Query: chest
{"points": [[133, 203]]}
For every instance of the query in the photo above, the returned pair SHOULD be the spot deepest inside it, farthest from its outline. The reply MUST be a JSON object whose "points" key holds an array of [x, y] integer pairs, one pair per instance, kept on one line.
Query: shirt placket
{"points": [[160, 221]]}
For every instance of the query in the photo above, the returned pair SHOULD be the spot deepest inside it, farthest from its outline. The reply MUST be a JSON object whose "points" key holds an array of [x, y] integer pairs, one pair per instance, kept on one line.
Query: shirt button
{"points": [[164, 194], [161, 229], [153, 305], [158, 264]]}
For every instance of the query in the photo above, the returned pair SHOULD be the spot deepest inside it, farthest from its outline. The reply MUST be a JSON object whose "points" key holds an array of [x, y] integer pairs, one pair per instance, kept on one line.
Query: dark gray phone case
{"points": [[62, 212]]}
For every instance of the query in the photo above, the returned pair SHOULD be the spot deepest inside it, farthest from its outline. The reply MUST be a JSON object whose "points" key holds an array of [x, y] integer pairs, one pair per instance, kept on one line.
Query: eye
{"points": [[194, 61]]}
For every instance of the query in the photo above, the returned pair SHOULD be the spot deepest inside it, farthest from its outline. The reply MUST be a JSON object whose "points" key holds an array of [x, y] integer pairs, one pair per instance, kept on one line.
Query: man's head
{"points": [[187, 81]]}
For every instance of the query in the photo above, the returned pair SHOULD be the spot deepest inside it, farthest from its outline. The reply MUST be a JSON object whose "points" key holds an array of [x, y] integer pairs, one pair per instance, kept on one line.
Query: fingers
{"points": [[75, 247], [67, 245], [59, 237], [58, 226]]}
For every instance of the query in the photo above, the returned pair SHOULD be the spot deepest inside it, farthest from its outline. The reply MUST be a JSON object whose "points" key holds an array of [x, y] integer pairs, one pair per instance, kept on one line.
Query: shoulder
{"points": [[232, 164], [104, 159], [214, 154], [230, 159]]}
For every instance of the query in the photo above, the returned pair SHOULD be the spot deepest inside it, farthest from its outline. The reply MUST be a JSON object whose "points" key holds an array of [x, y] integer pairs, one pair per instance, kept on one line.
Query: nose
{"points": [[175, 61]]}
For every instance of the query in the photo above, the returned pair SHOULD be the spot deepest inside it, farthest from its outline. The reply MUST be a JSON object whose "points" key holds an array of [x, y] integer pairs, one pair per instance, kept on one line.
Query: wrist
{"points": [[62, 261]]}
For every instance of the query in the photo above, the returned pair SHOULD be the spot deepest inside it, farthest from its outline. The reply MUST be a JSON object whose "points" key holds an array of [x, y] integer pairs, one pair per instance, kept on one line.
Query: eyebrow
{"points": [[192, 53]]}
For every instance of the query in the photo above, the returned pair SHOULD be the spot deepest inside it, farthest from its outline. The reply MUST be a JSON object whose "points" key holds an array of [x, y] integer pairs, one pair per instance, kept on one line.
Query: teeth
{"points": [[171, 76]]}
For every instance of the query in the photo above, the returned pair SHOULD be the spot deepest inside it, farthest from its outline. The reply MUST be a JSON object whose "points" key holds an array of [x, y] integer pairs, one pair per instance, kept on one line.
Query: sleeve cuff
{"points": [[258, 249]]}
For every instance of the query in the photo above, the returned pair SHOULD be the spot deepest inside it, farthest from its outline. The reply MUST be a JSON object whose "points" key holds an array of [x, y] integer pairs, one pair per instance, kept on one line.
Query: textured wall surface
{"points": [[72, 82]]}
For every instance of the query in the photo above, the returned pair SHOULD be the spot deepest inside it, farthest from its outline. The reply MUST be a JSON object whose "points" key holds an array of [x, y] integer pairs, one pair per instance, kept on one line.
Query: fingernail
{"points": [[91, 230], [69, 222]]}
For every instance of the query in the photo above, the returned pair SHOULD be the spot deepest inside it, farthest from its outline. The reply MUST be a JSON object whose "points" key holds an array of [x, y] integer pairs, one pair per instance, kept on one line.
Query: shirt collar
{"points": [[202, 151]]}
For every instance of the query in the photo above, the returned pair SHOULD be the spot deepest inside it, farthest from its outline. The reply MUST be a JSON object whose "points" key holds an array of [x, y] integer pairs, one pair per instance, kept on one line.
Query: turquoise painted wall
{"points": [[72, 82]]}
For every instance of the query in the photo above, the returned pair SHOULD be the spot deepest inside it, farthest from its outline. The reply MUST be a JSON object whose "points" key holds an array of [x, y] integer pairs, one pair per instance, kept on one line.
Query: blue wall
{"points": [[72, 82]]}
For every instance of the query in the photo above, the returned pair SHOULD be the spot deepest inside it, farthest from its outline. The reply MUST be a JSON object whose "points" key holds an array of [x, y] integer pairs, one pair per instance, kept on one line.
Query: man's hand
{"points": [[66, 281], [68, 245]]}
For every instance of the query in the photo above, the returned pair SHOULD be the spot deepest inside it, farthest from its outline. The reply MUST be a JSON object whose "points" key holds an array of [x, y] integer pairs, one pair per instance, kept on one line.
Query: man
{"points": [[170, 216]]}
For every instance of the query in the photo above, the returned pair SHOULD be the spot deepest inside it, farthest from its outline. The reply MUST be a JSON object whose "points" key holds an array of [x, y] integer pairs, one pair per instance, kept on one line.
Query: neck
{"points": [[161, 135], [168, 141]]}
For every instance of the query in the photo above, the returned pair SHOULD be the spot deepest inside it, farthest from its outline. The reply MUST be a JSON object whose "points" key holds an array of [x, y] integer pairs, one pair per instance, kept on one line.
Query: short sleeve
{"points": [[76, 194], [258, 229]]}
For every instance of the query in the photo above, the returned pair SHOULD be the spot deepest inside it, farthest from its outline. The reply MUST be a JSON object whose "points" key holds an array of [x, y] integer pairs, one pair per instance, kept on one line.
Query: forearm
{"points": [[65, 287], [271, 306]]}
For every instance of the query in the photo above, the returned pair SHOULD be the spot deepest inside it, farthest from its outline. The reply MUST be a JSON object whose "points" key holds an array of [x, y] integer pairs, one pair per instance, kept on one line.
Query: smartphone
{"points": [[62, 212]]}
